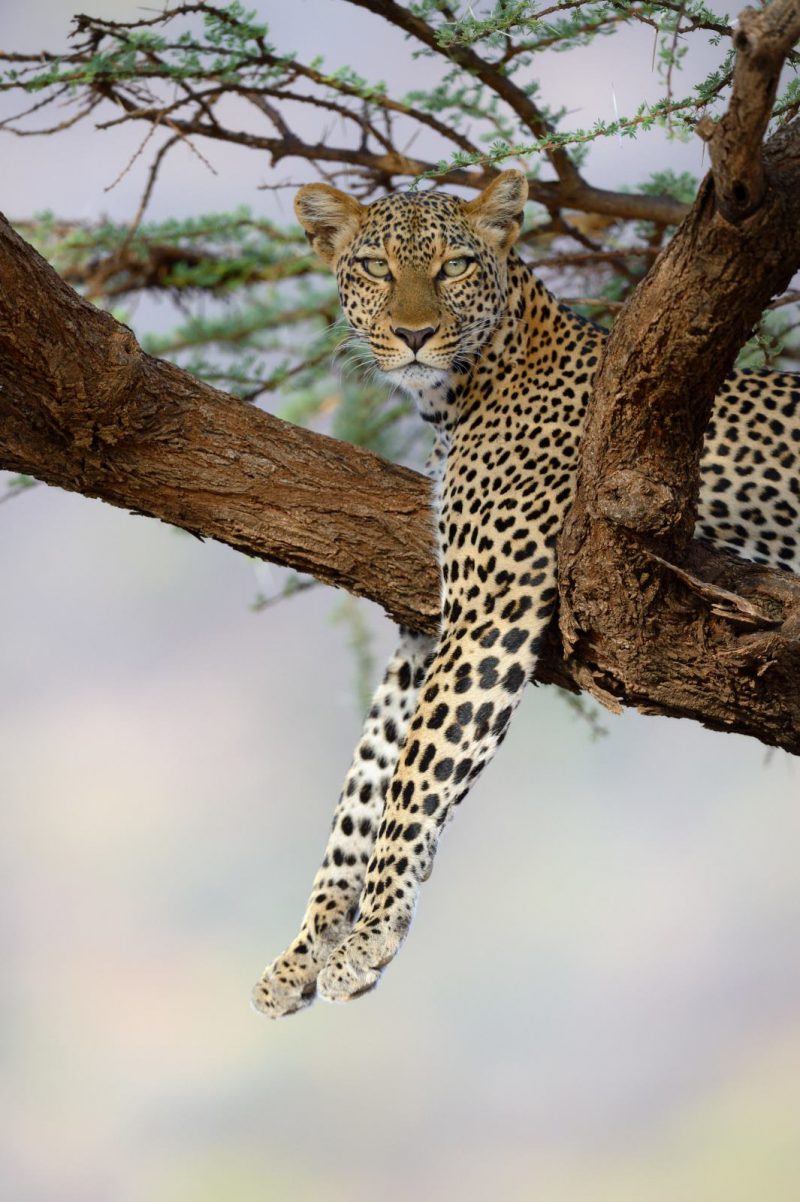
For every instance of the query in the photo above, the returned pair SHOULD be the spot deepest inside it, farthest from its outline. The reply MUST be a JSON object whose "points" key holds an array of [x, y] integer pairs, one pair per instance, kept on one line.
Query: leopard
{"points": [[437, 290]]}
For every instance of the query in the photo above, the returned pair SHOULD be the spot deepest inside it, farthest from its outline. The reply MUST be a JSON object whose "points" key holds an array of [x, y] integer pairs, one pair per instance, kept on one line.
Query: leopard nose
{"points": [[415, 339]]}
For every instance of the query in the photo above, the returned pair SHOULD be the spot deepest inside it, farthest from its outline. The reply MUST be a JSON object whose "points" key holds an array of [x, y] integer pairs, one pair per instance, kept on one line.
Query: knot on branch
{"points": [[96, 398], [706, 127], [631, 499]]}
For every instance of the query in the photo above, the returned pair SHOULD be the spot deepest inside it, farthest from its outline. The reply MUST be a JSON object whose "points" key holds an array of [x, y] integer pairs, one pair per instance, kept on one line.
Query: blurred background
{"points": [[601, 1001]]}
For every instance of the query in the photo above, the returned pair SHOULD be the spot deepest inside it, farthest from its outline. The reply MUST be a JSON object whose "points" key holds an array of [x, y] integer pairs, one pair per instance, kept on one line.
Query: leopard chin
{"points": [[416, 376]]}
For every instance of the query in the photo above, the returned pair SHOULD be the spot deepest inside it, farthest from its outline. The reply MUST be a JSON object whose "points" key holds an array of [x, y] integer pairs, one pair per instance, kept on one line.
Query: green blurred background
{"points": [[600, 998]]}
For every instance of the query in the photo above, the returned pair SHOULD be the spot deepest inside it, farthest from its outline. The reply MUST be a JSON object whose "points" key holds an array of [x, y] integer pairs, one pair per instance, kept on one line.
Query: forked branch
{"points": [[763, 39], [636, 627]]}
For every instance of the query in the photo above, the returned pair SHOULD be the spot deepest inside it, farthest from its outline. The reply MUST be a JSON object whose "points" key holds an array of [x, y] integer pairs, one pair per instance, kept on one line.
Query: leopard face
{"points": [[423, 278]]}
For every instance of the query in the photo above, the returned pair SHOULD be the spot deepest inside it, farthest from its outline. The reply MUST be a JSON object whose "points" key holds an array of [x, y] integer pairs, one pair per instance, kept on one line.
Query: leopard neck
{"points": [[537, 331]]}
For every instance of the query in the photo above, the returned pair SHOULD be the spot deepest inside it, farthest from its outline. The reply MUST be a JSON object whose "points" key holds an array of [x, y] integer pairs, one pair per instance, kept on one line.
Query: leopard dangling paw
{"points": [[355, 966], [289, 983]]}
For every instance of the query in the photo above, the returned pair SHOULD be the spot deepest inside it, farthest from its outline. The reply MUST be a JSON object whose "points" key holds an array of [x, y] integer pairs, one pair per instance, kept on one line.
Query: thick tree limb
{"points": [[82, 407], [622, 607]]}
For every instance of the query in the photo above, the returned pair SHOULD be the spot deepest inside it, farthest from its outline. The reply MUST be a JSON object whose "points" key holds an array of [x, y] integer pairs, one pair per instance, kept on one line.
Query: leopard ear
{"points": [[497, 212], [329, 217]]}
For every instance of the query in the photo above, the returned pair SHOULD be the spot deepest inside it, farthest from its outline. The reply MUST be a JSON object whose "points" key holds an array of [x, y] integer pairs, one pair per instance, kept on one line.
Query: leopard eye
{"points": [[455, 267], [377, 268]]}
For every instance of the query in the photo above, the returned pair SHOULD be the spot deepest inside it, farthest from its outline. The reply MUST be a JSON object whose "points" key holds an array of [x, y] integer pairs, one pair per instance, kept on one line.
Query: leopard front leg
{"points": [[289, 983], [470, 693]]}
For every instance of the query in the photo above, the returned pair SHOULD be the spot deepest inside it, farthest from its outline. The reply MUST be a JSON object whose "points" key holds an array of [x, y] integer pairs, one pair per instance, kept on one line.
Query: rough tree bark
{"points": [[635, 628], [647, 618], [84, 408]]}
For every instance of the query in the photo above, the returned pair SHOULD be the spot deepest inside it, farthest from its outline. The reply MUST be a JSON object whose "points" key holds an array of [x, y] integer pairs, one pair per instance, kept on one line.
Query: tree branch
{"points": [[635, 627], [647, 617], [554, 194], [762, 40], [84, 408], [190, 111], [500, 83]]}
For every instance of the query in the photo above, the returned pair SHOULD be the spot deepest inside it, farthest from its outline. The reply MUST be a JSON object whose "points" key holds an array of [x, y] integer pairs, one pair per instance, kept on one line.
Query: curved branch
{"points": [[569, 190], [762, 40], [553, 194], [84, 408], [635, 626], [500, 83]]}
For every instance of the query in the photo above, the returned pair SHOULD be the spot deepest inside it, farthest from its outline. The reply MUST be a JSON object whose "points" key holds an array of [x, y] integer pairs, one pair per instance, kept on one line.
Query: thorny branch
{"points": [[194, 111], [178, 71]]}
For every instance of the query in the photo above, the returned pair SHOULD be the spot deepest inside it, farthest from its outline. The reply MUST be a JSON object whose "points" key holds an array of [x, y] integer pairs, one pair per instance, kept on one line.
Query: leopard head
{"points": [[422, 277]]}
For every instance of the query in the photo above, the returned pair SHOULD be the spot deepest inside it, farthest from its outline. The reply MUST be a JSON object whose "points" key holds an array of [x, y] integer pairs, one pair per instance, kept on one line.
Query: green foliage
{"points": [[681, 185], [788, 105], [257, 315], [229, 50], [217, 252], [505, 18]]}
